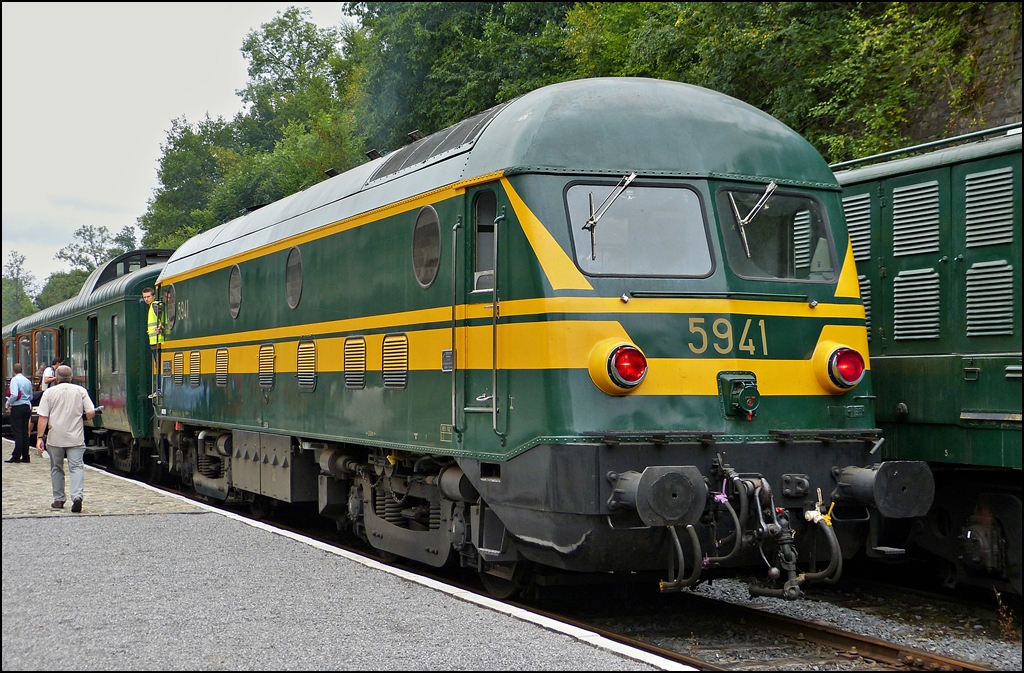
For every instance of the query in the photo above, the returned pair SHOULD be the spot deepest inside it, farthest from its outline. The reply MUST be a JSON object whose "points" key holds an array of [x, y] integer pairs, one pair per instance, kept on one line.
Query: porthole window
{"points": [[293, 278], [170, 307], [235, 291], [426, 247]]}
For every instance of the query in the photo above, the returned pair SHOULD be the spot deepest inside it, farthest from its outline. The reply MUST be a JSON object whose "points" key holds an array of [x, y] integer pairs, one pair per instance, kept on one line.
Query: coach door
{"points": [[481, 395]]}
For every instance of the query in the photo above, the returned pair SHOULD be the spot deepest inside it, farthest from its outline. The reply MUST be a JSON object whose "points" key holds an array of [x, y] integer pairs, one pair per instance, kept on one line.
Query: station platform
{"points": [[143, 579]]}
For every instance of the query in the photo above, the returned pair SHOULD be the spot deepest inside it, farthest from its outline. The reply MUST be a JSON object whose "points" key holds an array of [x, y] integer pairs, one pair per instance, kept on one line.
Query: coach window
{"points": [[113, 344], [9, 359], [25, 355], [235, 291], [45, 348], [293, 278], [170, 307], [483, 240], [426, 247]]}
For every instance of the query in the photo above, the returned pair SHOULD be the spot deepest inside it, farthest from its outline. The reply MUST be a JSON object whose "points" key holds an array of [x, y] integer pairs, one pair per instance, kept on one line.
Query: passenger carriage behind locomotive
{"points": [[101, 335], [542, 336]]}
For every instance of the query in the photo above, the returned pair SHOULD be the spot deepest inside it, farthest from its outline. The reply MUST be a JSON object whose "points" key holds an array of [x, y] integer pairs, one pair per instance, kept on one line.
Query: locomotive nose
{"points": [[663, 495]]}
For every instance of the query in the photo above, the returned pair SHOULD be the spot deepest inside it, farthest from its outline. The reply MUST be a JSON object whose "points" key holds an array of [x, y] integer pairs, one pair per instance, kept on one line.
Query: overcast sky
{"points": [[89, 91]]}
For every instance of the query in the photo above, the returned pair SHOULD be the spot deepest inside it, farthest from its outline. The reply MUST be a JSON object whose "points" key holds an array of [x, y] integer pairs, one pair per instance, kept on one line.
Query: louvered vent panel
{"points": [[915, 219], [266, 366], [858, 222], [990, 208], [194, 362], [355, 363], [178, 368], [305, 367], [916, 305], [802, 240], [221, 366], [990, 299], [865, 296], [396, 361]]}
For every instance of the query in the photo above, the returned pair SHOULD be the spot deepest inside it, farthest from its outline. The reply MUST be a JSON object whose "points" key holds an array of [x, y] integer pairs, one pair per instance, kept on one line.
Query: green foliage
{"points": [[853, 78], [95, 245], [61, 285], [17, 284]]}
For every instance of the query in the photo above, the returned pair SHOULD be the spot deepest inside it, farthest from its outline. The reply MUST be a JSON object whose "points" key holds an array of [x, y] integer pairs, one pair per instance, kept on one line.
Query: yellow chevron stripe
{"points": [[560, 270]]}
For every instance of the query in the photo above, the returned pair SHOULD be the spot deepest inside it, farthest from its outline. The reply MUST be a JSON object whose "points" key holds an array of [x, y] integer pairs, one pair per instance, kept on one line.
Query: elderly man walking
{"points": [[63, 408]]}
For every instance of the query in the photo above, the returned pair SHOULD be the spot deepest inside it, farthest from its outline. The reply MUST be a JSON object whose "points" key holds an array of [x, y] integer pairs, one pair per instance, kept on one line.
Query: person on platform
{"points": [[19, 405], [63, 409]]}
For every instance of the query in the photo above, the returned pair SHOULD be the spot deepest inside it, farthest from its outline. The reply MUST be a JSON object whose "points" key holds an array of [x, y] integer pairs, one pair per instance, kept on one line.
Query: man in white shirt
{"points": [[63, 408]]}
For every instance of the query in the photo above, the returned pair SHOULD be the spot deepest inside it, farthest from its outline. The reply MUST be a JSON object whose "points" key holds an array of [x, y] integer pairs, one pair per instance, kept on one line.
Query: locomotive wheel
{"points": [[503, 588]]}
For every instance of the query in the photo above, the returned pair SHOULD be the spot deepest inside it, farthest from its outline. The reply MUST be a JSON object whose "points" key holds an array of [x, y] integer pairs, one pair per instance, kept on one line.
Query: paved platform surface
{"points": [[146, 580]]}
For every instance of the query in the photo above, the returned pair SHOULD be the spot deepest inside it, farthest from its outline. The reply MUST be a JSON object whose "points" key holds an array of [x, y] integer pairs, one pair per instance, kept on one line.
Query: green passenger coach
{"points": [[101, 335], [937, 241]]}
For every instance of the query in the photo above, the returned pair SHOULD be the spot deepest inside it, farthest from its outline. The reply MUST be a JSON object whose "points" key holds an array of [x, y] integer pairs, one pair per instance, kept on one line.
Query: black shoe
{"points": [[15, 460], [76, 505], [57, 504]]}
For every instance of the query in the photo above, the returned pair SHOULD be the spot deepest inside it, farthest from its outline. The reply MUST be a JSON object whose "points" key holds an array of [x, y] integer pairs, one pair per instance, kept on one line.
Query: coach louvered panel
{"points": [[858, 222], [865, 297], [194, 362], [990, 299], [396, 361], [178, 368], [916, 312], [915, 219], [355, 363], [802, 240], [266, 366], [221, 367], [989, 210], [305, 367]]}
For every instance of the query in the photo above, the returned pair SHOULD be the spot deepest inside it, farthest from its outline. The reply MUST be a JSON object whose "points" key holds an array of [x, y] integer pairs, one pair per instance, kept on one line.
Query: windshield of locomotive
{"points": [[644, 231], [786, 238]]}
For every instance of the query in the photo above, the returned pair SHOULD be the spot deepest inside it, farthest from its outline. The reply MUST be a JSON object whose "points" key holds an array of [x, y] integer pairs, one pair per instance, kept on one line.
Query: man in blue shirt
{"points": [[19, 404]]}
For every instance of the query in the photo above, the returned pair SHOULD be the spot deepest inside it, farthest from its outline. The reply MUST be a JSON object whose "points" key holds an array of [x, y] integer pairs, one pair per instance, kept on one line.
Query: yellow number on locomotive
{"points": [[726, 335], [695, 329]]}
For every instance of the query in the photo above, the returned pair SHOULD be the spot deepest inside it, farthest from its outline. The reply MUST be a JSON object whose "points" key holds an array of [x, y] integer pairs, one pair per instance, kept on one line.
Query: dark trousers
{"points": [[20, 415]]}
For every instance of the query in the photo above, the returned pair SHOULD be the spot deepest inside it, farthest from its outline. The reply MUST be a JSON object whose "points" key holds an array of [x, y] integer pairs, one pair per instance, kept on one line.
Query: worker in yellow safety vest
{"points": [[155, 330]]}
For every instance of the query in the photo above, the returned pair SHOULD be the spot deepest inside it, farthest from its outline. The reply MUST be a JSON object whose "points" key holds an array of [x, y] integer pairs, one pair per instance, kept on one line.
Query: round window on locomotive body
{"points": [[235, 291], [426, 247], [170, 307], [293, 278]]}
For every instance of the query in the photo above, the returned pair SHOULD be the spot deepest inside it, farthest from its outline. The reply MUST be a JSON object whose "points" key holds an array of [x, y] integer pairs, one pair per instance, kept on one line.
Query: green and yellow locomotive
{"points": [[547, 336], [937, 236]]}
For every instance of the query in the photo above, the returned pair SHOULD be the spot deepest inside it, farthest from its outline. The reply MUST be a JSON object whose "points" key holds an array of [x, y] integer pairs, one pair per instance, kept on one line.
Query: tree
{"points": [[17, 284], [96, 246], [61, 285]]}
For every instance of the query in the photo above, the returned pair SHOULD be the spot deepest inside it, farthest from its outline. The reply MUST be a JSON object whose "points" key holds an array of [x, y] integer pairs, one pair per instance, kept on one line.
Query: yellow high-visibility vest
{"points": [[154, 338]]}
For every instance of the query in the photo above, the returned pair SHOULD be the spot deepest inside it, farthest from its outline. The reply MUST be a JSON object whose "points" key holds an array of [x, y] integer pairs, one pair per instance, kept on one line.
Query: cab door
{"points": [[481, 400]]}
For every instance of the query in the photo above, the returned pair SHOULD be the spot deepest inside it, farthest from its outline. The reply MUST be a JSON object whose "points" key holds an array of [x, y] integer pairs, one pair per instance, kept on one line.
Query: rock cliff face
{"points": [[996, 92]]}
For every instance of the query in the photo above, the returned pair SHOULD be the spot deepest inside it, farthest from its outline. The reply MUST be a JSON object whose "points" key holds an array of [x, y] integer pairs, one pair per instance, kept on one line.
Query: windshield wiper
{"points": [[744, 221], [591, 223]]}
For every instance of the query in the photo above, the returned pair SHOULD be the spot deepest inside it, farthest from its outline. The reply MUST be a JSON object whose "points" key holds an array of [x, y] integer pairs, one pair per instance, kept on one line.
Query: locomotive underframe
{"points": [[559, 506]]}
